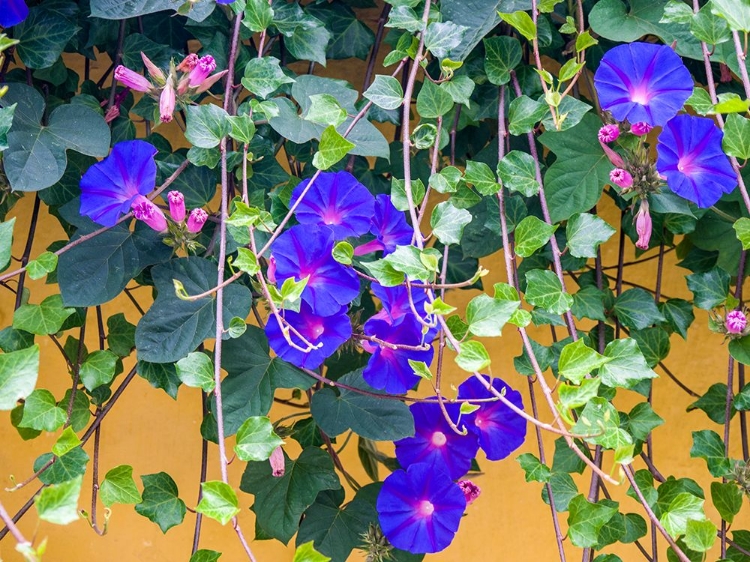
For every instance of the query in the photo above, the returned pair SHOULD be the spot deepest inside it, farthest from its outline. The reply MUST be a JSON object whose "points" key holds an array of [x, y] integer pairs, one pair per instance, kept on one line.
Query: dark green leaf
{"points": [[161, 503]]}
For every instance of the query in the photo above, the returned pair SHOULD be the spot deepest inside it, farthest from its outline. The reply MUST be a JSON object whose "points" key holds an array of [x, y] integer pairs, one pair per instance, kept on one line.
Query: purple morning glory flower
{"points": [[331, 331], [420, 508], [389, 227], [13, 12], [643, 82], [691, 158], [435, 442], [306, 251], [110, 186], [396, 301], [388, 369], [500, 430], [336, 200]]}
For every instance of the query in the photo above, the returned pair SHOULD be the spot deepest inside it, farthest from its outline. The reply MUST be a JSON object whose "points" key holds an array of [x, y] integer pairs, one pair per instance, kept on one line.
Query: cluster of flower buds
{"points": [[184, 227], [181, 84]]}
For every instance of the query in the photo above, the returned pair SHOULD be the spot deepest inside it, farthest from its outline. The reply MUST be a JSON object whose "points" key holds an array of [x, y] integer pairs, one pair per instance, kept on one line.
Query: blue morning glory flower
{"points": [[331, 331], [643, 82], [388, 369], [396, 301], [304, 251], [109, 187], [500, 430], [336, 200], [389, 227], [691, 158], [435, 442], [13, 12], [420, 508]]}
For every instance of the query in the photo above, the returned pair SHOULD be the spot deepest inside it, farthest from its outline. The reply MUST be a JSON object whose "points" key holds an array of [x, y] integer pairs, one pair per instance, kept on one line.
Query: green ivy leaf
{"points": [[727, 499], [332, 148], [98, 369], [517, 172], [418, 265], [636, 309], [709, 288], [44, 318], [473, 357], [204, 555], [207, 124], [118, 486], [586, 520], [258, 16], [600, 419], [481, 177], [578, 360], [737, 14], [534, 469], [161, 503], [433, 101], [588, 302], [6, 242], [385, 92], [325, 110], [524, 113], [700, 535], [713, 403], [545, 290], [708, 27], [486, 316], [502, 54], [67, 441], [679, 315], [343, 252], [576, 396], [307, 553], [448, 222], [256, 439], [742, 228], [683, 508], [521, 22], [40, 411], [243, 128], [531, 234], [441, 37], [280, 502], [642, 420], [627, 366], [46, 263], [585, 233], [18, 374], [197, 370], [653, 343], [377, 419], [709, 446], [58, 503], [218, 501], [43, 36], [263, 76]]}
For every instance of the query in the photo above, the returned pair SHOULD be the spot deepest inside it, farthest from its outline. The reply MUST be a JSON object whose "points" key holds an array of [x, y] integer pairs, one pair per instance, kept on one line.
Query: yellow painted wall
{"points": [[152, 432]]}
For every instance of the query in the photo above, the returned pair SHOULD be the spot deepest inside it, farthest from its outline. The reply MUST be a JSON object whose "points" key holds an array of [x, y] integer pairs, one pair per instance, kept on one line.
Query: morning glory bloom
{"points": [[13, 12], [435, 442], [396, 301], [336, 200], [388, 369], [331, 331], [389, 227], [304, 251], [420, 508], [691, 158], [500, 430], [109, 187], [643, 82]]}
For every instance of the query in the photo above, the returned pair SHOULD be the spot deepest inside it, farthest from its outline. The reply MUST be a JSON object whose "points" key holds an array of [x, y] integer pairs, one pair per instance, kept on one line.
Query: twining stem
{"points": [[10, 525]]}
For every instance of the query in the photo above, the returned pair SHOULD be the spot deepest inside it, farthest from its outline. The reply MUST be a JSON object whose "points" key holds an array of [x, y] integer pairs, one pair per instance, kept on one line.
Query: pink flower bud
{"points": [[641, 128], [471, 491], [621, 178], [615, 158], [176, 205], [188, 63], [643, 226], [183, 85], [609, 133], [735, 322], [277, 463], [206, 65], [196, 220], [153, 70], [271, 273], [144, 210], [167, 102], [112, 114], [210, 81], [132, 79]]}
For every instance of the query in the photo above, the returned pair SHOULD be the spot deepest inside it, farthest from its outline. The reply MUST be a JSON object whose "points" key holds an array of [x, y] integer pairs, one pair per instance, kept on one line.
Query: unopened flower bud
{"points": [[167, 102], [735, 322], [206, 65], [188, 63], [112, 114], [615, 158], [609, 133], [132, 79], [196, 220], [643, 226], [145, 210], [271, 273], [277, 463], [176, 205], [471, 491], [641, 128], [155, 72], [621, 178], [210, 81]]}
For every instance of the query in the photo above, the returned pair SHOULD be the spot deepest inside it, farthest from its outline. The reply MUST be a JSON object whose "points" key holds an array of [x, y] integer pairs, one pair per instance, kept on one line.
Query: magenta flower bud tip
{"points": [[206, 65], [471, 491], [176, 205], [609, 133], [153, 70], [643, 226], [615, 158], [210, 81], [188, 63], [196, 220], [621, 178], [641, 128], [167, 102], [145, 210], [271, 273], [132, 79], [735, 322], [277, 462]]}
